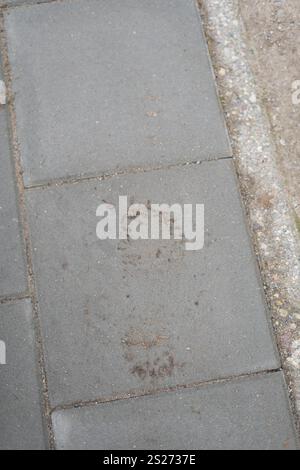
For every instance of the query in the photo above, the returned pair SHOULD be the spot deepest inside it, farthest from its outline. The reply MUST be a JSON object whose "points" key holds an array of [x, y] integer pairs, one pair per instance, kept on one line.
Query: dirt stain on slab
{"points": [[149, 355], [136, 338], [159, 368]]}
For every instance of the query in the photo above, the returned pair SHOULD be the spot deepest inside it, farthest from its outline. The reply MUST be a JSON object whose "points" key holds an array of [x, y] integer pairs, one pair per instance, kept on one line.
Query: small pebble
{"points": [[283, 313]]}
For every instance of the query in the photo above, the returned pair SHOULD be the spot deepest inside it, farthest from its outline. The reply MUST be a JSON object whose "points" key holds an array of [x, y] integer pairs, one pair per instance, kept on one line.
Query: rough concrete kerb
{"points": [[272, 225]]}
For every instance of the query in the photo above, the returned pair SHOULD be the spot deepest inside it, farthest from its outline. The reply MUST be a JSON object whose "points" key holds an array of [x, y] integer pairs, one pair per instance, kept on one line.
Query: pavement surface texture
{"points": [[125, 344]]}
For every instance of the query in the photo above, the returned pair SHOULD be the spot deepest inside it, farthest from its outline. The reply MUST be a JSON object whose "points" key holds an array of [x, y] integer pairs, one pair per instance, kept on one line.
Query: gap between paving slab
{"points": [[269, 212], [107, 176], [14, 149], [12, 263], [158, 391], [17, 3]]}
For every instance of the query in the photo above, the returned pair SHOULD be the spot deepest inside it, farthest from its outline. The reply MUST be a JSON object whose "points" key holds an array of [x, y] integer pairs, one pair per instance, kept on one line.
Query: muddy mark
{"points": [[161, 367], [133, 217], [86, 311], [149, 355], [144, 255], [137, 338]]}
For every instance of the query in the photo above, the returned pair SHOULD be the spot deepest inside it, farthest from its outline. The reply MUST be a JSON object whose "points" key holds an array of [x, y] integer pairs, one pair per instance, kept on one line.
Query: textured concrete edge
{"points": [[267, 205], [15, 155], [18, 3]]}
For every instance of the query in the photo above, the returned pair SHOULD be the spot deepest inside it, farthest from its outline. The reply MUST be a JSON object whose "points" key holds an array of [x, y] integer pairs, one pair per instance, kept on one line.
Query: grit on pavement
{"points": [[123, 344], [254, 46]]}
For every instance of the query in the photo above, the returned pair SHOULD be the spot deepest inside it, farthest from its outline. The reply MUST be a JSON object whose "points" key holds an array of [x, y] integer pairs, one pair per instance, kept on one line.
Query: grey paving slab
{"points": [[102, 86], [249, 414], [121, 316], [20, 412], [12, 264]]}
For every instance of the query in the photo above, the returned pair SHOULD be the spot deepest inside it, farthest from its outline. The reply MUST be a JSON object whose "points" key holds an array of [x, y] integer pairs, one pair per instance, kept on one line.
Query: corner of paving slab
{"points": [[273, 226]]}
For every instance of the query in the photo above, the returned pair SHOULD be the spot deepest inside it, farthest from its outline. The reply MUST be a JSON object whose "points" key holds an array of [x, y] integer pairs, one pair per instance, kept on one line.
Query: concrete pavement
{"points": [[125, 344]]}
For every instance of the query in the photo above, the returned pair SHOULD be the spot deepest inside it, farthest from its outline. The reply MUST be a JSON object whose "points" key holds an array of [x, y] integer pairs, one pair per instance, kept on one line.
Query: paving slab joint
{"points": [[25, 229], [103, 177], [158, 391], [8, 4], [14, 298]]}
